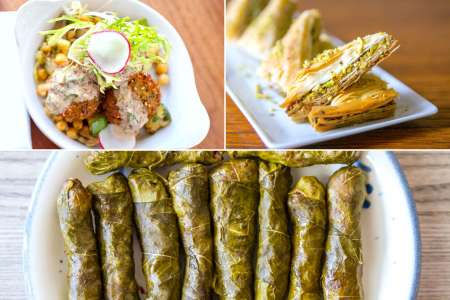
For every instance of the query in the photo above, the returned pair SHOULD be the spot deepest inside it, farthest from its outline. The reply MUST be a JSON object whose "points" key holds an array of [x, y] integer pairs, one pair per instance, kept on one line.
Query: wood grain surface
{"points": [[200, 24], [422, 62], [428, 175]]}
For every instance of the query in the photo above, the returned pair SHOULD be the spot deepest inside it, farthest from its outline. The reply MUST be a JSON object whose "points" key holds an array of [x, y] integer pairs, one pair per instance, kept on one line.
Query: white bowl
{"points": [[390, 233], [190, 120]]}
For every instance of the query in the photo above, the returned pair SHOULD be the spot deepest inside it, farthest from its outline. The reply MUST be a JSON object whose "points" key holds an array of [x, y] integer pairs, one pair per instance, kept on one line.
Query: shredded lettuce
{"points": [[143, 39], [56, 34]]}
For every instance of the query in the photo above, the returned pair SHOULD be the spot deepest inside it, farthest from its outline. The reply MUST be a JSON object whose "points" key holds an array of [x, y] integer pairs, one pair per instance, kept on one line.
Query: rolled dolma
{"points": [[273, 250], [333, 71], [113, 210], [368, 99], [158, 234], [190, 197], [300, 43], [201, 157], [308, 215], [301, 158], [102, 162], [239, 15], [74, 210], [147, 159], [234, 196], [342, 270], [270, 26]]}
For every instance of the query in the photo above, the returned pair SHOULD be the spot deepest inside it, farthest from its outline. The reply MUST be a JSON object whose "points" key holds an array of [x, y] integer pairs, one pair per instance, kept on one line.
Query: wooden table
{"points": [[200, 23], [422, 62], [428, 175]]}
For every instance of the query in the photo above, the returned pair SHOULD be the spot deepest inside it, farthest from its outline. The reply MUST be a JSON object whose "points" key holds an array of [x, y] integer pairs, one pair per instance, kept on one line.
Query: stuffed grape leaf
{"points": [[308, 215], [113, 209], [273, 250], [234, 199], [301, 158], [158, 234], [342, 270], [190, 196], [83, 266]]}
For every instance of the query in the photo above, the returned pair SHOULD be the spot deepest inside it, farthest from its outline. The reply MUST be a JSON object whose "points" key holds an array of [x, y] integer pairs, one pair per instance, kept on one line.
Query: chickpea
{"points": [[85, 18], [161, 69], [77, 124], [46, 48], [71, 35], [40, 57], [42, 90], [163, 79], [63, 46], [61, 60], [154, 51], [42, 74], [72, 133], [151, 128], [58, 118], [61, 125]]}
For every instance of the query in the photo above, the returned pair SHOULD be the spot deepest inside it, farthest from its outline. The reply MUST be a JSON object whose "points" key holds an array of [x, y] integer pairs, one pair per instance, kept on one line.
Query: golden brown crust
{"points": [[81, 110], [111, 110], [146, 90]]}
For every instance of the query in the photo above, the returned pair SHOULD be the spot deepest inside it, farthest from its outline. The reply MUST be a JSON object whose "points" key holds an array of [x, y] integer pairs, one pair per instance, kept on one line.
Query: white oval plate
{"points": [[391, 241], [278, 131], [190, 120]]}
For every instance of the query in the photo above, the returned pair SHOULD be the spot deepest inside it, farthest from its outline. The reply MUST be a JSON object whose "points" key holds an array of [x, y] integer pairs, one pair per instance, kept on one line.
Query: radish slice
{"points": [[109, 50], [113, 137]]}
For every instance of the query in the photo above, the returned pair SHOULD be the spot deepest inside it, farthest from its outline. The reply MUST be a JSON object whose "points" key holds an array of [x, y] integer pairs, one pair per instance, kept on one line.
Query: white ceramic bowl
{"points": [[190, 121], [390, 234]]}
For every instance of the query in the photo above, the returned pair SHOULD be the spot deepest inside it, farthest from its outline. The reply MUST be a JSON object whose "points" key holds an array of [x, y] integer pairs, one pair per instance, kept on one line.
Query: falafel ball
{"points": [[73, 93], [133, 103]]}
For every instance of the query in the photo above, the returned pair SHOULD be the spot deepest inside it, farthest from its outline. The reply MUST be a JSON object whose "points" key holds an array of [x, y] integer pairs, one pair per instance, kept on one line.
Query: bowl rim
{"points": [[415, 223], [64, 142], [390, 156]]}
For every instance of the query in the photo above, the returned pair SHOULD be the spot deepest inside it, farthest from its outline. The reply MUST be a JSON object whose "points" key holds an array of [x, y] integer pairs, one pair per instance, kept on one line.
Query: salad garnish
{"points": [[147, 45]]}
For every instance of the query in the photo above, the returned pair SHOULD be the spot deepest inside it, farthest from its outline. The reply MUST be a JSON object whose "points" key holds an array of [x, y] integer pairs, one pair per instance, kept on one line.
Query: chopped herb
{"points": [[131, 117]]}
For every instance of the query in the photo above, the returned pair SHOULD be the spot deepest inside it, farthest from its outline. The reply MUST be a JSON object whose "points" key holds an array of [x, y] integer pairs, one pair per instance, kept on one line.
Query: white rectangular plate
{"points": [[277, 130]]}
